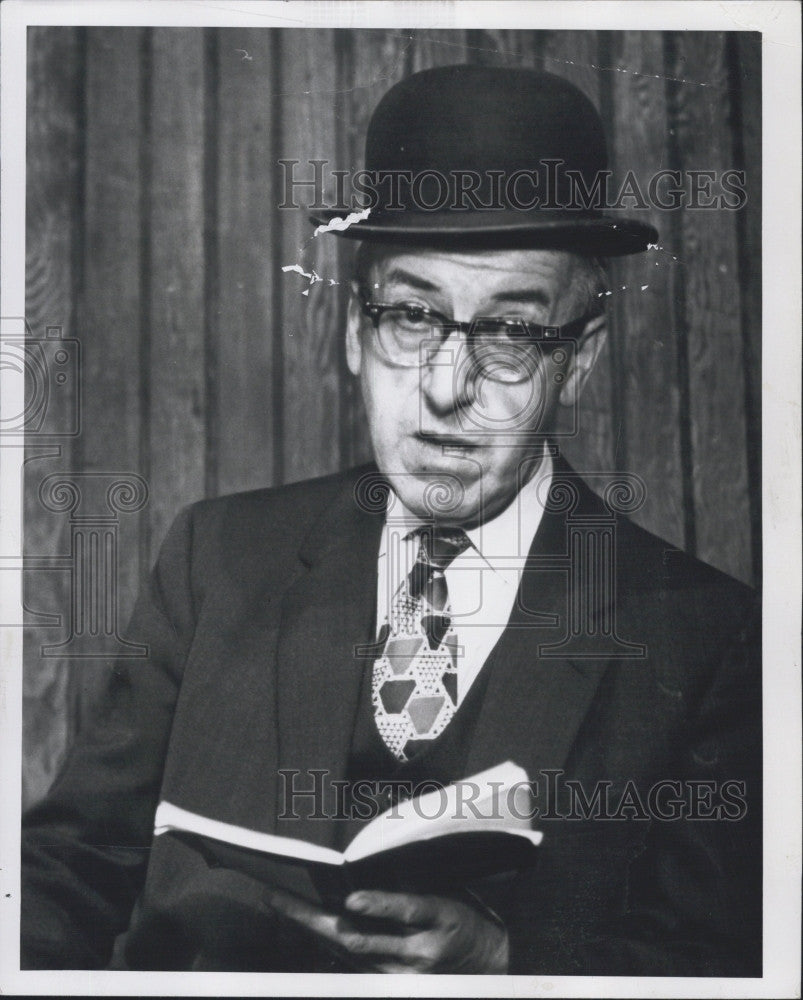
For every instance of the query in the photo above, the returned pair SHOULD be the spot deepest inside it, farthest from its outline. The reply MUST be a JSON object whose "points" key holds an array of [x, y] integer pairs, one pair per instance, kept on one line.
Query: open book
{"points": [[440, 840]]}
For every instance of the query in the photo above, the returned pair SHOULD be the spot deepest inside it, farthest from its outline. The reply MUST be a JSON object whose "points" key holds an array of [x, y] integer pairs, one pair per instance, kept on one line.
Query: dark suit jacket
{"points": [[252, 616]]}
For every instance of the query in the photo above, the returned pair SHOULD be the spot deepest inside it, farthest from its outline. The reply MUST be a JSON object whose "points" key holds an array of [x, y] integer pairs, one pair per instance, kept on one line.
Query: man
{"points": [[466, 602]]}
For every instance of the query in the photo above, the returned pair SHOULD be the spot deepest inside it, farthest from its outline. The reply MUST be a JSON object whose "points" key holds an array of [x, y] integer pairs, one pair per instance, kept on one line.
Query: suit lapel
{"points": [[534, 704], [536, 699], [327, 613]]}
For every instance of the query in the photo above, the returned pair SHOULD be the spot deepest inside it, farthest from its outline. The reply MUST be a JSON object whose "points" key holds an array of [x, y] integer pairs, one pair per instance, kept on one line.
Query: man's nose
{"points": [[447, 376]]}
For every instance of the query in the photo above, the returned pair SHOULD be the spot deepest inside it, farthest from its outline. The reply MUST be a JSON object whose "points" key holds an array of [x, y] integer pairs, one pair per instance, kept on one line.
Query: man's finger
{"points": [[314, 918], [408, 948], [337, 930], [408, 909]]}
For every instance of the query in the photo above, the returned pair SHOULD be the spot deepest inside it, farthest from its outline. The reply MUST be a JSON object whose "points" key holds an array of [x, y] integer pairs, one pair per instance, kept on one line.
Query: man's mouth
{"points": [[448, 441]]}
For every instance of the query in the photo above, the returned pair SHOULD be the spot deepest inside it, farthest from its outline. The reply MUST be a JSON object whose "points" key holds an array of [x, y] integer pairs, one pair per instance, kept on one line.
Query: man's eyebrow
{"points": [[408, 278], [526, 296]]}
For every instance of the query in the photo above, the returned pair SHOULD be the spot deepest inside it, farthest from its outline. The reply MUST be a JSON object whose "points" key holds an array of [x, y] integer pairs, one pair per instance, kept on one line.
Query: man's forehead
{"points": [[492, 269]]}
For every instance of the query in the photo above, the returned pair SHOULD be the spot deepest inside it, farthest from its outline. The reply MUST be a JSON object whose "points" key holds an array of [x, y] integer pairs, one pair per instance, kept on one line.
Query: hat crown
{"points": [[484, 118], [488, 156]]}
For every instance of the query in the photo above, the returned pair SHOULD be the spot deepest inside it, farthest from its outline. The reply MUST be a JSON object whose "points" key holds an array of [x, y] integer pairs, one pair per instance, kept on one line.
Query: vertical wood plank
{"points": [[745, 56], [645, 345], [53, 190], [713, 313], [110, 307], [574, 55], [500, 47], [437, 48], [245, 245], [110, 302], [310, 345], [176, 306]]}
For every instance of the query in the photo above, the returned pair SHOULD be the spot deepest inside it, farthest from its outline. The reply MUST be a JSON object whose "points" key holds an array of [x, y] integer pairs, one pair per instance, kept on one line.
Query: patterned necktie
{"points": [[414, 690]]}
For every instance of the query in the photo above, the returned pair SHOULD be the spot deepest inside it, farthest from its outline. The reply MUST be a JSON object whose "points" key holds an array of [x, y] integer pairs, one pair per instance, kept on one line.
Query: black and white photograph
{"points": [[400, 462]]}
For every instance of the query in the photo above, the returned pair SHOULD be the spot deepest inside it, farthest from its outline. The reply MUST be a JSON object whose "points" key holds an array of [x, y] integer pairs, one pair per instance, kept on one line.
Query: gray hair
{"points": [[591, 281]]}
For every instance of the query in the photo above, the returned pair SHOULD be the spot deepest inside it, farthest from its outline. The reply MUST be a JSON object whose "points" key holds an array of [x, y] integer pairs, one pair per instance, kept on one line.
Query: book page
{"points": [[170, 817], [495, 799]]}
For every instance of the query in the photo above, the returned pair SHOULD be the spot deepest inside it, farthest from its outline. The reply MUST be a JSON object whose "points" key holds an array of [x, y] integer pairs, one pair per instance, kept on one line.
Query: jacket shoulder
{"points": [[293, 503], [674, 604], [687, 614], [647, 564], [649, 561], [244, 534]]}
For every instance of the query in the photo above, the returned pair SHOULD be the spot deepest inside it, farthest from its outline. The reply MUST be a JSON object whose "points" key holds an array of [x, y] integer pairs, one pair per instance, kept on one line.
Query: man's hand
{"points": [[416, 933]]}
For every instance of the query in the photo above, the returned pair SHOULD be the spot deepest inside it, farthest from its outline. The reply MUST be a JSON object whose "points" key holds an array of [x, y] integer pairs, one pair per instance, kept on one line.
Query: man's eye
{"points": [[503, 331], [516, 331], [413, 317]]}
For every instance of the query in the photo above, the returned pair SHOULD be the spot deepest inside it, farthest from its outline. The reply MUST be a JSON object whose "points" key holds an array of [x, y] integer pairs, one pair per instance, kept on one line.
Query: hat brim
{"points": [[603, 236]]}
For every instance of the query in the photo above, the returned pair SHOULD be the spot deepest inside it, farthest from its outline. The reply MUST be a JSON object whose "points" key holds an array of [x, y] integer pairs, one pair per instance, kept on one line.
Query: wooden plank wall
{"points": [[53, 254], [154, 236]]}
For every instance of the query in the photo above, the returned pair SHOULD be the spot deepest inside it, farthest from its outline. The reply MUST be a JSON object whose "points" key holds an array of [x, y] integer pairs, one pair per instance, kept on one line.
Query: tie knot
{"points": [[439, 546]]}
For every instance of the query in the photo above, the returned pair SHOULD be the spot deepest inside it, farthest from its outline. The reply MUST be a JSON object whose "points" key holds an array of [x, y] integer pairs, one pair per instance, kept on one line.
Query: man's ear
{"points": [[591, 342], [353, 342]]}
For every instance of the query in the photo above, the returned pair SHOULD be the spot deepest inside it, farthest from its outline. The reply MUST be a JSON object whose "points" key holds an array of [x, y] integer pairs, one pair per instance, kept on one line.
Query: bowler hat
{"points": [[489, 156]]}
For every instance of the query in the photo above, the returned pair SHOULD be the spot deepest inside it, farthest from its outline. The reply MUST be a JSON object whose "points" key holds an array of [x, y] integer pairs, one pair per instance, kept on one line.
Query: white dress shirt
{"points": [[482, 581]]}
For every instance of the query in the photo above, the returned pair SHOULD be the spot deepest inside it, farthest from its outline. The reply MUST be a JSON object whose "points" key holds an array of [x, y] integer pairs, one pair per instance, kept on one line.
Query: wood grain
{"points": [[643, 337], [500, 47], [177, 441], [110, 303], [243, 320], [53, 193], [713, 313], [575, 56], [310, 345], [436, 47], [746, 82]]}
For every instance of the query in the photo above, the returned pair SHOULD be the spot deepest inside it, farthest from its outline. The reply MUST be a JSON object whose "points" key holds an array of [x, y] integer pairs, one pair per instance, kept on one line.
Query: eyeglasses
{"points": [[501, 349]]}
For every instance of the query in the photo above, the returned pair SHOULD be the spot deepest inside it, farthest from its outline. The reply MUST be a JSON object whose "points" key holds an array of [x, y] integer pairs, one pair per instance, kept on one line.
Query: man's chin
{"points": [[442, 496]]}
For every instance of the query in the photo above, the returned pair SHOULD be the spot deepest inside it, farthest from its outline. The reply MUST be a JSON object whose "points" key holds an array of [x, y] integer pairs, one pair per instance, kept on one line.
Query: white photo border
{"points": [[779, 23]]}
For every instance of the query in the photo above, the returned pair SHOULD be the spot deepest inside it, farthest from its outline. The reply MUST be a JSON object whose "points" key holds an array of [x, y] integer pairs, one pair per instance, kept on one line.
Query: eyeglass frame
{"points": [[536, 332]]}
